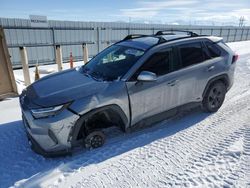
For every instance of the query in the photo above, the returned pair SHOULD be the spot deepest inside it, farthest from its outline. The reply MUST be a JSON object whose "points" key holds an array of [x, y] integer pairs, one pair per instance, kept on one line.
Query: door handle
{"points": [[210, 68], [173, 82]]}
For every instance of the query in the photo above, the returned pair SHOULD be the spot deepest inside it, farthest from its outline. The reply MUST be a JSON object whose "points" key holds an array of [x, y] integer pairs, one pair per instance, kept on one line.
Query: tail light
{"points": [[235, 58]]}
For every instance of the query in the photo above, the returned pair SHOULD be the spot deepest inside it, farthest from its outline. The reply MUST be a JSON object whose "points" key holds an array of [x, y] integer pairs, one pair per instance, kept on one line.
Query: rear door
{"points": [[195, 66]]}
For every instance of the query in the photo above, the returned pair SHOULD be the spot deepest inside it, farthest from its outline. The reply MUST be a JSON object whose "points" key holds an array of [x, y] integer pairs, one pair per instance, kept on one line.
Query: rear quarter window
{"points": [[213, 49]]}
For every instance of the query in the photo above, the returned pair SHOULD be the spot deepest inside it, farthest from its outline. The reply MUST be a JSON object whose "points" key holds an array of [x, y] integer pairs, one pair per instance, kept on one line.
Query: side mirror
{"points": [[146, 76]]}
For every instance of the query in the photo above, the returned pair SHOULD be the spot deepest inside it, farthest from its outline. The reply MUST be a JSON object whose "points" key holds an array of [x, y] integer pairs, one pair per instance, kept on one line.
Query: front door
{"points": [[151, 98]]}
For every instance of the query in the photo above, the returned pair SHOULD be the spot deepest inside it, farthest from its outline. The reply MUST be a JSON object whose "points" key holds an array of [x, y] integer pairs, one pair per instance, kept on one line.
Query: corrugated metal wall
{"points": [[40, 42]]}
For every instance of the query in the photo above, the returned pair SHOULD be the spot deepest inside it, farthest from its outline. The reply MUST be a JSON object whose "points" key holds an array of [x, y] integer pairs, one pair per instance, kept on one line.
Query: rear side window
{"points": [[213, 50], [191, 54]]}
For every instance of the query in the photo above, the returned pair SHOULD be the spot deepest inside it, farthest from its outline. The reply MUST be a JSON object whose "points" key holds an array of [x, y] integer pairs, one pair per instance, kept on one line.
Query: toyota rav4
{"points": [[136, 81]]}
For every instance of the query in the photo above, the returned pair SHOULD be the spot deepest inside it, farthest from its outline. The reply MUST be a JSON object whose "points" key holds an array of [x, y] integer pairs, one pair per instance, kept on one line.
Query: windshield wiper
{"points": [[97, 75], [85, 71]]}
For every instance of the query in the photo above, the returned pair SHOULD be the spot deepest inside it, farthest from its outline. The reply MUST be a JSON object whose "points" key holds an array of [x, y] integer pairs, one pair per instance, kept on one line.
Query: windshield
{"points": [[112, 63]]}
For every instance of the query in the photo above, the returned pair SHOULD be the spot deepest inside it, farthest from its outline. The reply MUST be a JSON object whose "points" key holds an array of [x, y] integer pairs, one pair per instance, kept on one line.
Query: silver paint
{"points": [[137, 99]]}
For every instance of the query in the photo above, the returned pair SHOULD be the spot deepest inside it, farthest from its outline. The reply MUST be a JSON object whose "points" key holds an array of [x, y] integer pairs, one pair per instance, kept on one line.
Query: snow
{"points": [[193, 149], [241, 48]]}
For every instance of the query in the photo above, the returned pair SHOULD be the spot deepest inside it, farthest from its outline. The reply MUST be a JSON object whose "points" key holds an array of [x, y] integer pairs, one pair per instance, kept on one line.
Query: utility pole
{"points": [[241, 21]]}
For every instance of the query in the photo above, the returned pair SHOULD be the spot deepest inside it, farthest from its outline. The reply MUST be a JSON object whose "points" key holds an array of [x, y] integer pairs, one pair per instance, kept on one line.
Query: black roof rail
{"points": [[161, 39], [171, 32], [132, 36]]}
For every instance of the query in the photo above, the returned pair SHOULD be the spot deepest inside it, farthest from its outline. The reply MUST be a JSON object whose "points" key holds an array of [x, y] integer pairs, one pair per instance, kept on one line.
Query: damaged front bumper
{"points": [[50, 136], [39, 150]]}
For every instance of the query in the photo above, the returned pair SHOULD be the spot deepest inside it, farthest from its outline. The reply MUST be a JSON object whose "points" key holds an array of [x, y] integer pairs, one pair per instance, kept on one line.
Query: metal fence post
{"points": [[85, 53], [235, 35], [129, 31], [220, 32], [25, 64], [247, 34], [98, 39], [242, 34], [53, 40], [228, 35]]}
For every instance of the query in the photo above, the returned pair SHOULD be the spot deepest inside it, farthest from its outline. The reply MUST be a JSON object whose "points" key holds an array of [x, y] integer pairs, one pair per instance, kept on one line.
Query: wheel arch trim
{"points": [[76, 128], [223, 77]]}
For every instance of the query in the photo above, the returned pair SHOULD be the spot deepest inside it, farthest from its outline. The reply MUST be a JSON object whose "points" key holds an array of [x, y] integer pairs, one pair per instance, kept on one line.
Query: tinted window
{"points": [[206, 54], [213, 50], [191, 54], [159, 63]]}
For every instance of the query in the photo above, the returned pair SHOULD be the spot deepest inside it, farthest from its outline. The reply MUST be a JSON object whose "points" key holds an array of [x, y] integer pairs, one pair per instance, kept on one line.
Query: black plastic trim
{"points": [[39, 150], [75, 130], [217, 78]]}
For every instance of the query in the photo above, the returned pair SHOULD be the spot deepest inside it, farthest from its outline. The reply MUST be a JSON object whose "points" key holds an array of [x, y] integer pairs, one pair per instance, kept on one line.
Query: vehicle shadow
{"points": [[18, 161]]}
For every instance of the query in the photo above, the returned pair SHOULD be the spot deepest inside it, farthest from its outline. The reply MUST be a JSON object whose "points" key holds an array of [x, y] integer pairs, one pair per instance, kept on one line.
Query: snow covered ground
{"points": [[193, 149]]}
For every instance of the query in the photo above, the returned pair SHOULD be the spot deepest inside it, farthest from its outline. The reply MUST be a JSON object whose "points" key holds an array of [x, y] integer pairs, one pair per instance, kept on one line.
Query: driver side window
{"points": [[159, 63]]}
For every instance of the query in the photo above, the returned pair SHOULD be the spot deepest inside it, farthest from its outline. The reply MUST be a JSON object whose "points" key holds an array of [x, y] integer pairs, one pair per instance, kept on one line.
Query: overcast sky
{"points": [[209, 12]]}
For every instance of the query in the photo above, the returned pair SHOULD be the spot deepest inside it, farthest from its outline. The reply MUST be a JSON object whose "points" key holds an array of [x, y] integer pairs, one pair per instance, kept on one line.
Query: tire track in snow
{"points": [[201, 139], [240, 176]]}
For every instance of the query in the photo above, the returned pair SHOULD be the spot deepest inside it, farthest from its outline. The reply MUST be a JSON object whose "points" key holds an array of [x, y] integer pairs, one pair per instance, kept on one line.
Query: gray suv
{"points": [[135, 82]]}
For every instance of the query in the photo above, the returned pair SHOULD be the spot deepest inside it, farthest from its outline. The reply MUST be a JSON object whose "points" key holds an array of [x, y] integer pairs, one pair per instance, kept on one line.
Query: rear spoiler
{"points": [[215, 39]]}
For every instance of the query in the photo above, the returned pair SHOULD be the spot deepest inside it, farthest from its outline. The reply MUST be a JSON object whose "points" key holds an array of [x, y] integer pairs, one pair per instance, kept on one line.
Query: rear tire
{"points": [[214, 97]]}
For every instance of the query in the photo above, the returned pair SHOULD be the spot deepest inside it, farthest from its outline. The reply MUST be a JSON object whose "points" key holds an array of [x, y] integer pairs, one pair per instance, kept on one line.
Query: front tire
{"points": [[94, 140], [214, 97]]}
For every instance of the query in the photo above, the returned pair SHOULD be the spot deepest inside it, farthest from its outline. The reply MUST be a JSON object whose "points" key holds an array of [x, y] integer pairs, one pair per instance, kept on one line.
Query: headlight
{"points": [[50, 111]]}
